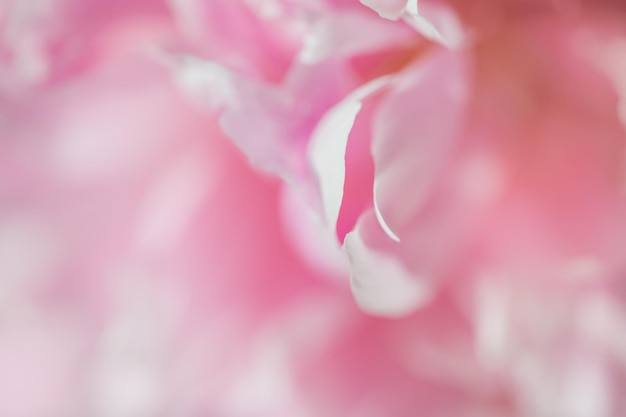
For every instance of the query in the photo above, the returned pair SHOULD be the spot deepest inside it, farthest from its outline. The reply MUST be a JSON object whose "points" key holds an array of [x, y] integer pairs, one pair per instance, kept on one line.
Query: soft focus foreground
{"points": [[430, 221]]}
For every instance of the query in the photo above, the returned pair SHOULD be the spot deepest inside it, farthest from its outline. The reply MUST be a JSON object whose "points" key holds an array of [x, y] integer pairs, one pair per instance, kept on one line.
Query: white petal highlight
{"points": [[207, 82], [328, 145], [437, 23], [381, 221], [345, 34], [381, 285], [391, 9], [433, 20]]}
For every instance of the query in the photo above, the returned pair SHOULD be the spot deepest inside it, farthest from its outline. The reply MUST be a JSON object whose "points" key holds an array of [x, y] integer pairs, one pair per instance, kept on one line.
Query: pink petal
{"points": [[414, 132]]}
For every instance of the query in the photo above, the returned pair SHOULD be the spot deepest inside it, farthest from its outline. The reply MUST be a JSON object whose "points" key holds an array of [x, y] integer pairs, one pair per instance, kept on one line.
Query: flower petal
{"points": [[328, 145], [433, 20], [380, 283], [413, 134], [437, 23], [391, 9], [345, 34]]}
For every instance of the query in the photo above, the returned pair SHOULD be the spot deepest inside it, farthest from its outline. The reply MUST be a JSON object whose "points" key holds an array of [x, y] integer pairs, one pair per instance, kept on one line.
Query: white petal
{"points": [[382, 222], [434, 21], [437, 23], [391, 9], [381, 285], [327, 148], [344, 34], [411, 6]]}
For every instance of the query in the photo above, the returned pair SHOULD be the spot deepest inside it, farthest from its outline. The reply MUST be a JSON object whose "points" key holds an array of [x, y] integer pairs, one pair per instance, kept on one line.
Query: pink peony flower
{"points": [[470, 151], [460, 161]]}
